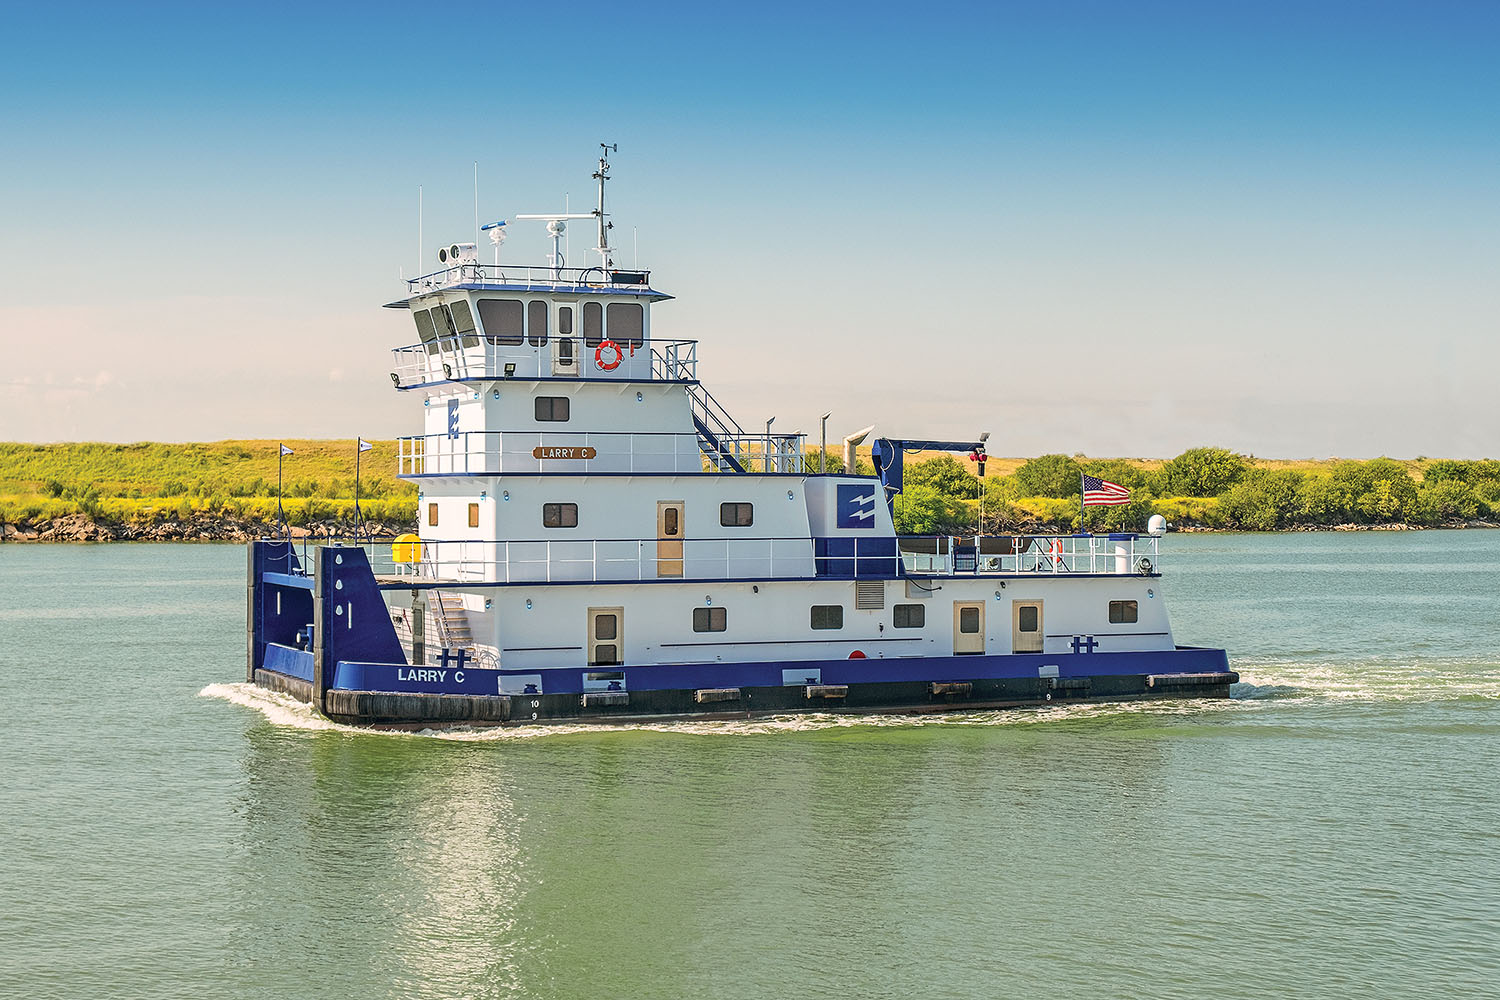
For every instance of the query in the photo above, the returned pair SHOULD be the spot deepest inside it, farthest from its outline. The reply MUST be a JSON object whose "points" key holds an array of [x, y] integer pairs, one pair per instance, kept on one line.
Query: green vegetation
{"points": [[151, 484], [154, 483]]}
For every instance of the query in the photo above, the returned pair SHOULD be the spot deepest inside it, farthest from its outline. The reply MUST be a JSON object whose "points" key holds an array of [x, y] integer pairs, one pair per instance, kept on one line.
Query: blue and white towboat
{"points": [[599, 539]]}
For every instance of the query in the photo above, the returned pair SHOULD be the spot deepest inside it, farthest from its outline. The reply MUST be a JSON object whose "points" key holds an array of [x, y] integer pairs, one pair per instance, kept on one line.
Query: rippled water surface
{"points": [[1333, 830]]}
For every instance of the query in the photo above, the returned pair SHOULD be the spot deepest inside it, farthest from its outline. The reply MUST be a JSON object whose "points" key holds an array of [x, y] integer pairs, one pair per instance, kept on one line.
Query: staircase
{"points": [[719, 435], [452, 623]]}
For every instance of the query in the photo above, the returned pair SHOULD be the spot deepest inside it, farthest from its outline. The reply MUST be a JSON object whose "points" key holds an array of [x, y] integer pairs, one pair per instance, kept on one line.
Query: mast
{"points": [[602, 175]]}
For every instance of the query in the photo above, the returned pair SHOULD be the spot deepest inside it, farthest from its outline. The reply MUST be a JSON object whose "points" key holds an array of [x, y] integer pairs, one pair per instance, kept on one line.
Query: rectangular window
{"points": [[473, 515], [425, 333], [552, 408], [536, 323], [626, 321], [558, 515], [593, 324], [736, 515], [463, 323], [605, 626], [1026, 618], [827, 616], [910, 616], [1121, 612], [968, 620], [432, 515], [606, 654], [442, 320], [709, 619], [565, 321], [502, 319]]}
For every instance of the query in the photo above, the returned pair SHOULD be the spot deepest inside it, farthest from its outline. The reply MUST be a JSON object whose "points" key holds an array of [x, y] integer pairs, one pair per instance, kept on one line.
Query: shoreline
{"points": [[79, 528]]}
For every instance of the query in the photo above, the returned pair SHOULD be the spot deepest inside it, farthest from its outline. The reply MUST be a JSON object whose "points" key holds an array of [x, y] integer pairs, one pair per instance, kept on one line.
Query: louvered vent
{"points": [[869, 595]]}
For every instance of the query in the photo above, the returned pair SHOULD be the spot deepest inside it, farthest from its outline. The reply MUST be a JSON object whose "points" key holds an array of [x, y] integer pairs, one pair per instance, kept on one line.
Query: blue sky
{"points": [[1086, 227]]}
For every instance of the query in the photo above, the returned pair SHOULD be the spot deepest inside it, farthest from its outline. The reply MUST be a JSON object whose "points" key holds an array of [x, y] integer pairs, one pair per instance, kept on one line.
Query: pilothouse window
{"points": [[502, 319], [463, 323], [536, 323], [425, 332], [626, 323], [593, 324]]}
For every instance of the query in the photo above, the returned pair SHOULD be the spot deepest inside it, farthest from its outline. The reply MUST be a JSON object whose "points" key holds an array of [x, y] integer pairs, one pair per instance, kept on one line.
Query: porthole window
{"points": [[827, 616], [1123, 612], [626, 322], [502, 319], [709, 619], [736, 515], [536, 323], [559, 515], [909, 615], [552, 408]]}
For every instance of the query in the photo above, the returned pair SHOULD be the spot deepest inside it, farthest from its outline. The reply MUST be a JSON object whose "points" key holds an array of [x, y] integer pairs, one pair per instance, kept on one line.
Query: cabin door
{"points": [[1026, 626], [606, 637], [968, 628], [669, 537], [565, 344]]}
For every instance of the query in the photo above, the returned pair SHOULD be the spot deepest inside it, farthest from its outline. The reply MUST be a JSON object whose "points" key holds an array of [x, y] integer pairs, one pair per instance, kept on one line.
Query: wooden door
{"points": [[1026, 626], [669, 532], [968, 628]]}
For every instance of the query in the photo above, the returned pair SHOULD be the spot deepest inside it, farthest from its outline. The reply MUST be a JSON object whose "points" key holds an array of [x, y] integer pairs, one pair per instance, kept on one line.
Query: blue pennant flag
{"points": [[286, 451], [364, 445]]}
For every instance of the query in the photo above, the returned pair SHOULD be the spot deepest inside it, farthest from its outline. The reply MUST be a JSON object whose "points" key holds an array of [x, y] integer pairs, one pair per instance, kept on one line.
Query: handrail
{"points": [[474, 355], [531, 276]]}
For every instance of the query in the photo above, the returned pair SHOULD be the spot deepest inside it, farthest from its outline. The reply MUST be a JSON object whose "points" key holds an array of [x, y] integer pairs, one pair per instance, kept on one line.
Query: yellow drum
{"points": [[407, 549]]}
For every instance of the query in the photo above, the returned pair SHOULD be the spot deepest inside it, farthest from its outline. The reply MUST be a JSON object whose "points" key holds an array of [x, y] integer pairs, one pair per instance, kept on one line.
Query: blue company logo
{"points": [[857, 506], [453, 419]]}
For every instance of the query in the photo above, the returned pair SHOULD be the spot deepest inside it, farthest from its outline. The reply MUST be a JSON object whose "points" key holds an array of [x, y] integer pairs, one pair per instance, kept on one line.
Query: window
{"points": [[442, 320], [626, 321], [670, 521], [709, 619], [502, 320], [605, 626], [1026, 618], [558, 515], [736, 515], [552, 407], [827, 616], [593, 324], [909, 615], [536, 323], [968, 620], [473, 515], [463, 323], [425, 332], [432, 515], [565, 321], [1121, 612]]}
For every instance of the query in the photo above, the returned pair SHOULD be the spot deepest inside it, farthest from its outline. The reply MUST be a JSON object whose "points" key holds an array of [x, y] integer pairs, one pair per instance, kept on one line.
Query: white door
{"points": [[565, 343]]}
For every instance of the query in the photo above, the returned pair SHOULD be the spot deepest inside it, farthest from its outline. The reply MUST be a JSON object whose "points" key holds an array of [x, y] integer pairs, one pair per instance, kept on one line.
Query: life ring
{"points": [[599, 356]]}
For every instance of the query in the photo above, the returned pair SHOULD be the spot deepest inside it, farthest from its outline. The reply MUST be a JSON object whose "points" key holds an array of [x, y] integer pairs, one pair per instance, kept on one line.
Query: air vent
{"points": [[869, 595]]}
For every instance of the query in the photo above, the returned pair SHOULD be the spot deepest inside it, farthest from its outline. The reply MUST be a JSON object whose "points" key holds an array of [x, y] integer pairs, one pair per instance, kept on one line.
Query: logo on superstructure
{"points": [[856, 506]]}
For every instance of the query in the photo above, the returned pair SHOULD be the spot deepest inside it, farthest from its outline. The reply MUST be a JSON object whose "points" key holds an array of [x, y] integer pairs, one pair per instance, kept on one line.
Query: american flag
{"points": [[1103, 493]]}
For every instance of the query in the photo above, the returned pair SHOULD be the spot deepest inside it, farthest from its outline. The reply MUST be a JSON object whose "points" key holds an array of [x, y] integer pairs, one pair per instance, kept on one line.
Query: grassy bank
{"points": [[152, 484]]}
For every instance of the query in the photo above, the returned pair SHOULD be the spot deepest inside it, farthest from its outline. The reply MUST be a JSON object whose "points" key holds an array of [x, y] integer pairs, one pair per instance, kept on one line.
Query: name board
{"points": [[584, 453]]}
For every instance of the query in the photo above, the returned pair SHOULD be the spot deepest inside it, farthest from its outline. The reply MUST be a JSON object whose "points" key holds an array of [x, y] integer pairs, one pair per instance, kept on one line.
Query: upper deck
{"points": [[473, 276]]}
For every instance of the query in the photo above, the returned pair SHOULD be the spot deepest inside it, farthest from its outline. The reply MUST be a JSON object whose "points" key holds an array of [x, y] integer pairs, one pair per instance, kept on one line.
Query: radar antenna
{"points": [[601, 175]]}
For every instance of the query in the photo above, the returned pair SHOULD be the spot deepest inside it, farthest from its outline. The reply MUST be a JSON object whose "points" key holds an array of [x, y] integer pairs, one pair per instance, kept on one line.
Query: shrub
{"points": [[1264, 501], [1048, 476], [1200, 472]]}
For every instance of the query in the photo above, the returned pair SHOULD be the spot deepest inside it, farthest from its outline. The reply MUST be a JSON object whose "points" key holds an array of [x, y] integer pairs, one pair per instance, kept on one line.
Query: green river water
{"points": [[1332, 831]]}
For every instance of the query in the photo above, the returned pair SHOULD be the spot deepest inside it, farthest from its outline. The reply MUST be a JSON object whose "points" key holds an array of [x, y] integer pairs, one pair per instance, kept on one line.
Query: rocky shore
{"points": [[81, 528]]}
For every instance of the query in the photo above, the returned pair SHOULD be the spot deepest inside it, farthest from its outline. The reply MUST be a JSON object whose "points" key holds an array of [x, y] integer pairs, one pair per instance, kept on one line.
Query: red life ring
{"points": [[599, 356]]}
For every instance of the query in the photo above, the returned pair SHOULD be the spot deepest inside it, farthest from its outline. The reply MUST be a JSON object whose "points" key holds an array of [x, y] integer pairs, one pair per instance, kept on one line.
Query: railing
{"points": [[529, 276], [496, 452], [553, 560], [471, 355], [1118, 554]]}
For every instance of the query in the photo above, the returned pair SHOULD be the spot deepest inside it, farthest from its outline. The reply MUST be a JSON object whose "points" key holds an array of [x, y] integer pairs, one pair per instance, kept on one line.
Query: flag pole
{"points": [[280, 458], [1082, 510], [358, 442]]}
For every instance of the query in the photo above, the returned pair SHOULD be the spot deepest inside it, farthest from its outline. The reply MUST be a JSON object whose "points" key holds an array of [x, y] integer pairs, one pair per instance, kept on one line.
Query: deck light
{"points": [[395, 380], [447, 369], [528, 604], [510, 370]]}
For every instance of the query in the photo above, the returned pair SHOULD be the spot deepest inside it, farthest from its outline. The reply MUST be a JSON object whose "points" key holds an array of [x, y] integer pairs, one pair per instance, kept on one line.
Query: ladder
{"points": [[447, 611]]}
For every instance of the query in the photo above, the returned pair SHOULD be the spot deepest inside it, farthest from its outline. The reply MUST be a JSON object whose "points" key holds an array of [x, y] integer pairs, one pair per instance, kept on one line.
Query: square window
{"points": [[736, 515], [827, 616], [553, 408], [1123, 612], [502, 319], [909, 616], [606, 654], [559, 515], [473, 515], [432, 515], [709, 619]]}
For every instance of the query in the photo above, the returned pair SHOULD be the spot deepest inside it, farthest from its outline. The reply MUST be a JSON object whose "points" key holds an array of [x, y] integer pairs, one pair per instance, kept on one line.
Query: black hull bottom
{"points": [[395, 710]]}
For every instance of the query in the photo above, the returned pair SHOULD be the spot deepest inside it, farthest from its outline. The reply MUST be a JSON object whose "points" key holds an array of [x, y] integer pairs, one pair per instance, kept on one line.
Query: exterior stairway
{"points": [[452, 622]]}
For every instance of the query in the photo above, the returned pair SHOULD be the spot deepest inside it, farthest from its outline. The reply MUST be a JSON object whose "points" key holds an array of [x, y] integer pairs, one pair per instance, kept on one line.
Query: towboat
{"points": [[600, 540]]}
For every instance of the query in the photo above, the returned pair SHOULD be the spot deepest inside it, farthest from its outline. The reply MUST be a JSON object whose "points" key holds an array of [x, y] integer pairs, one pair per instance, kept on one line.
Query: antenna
{"points": [[476, 204], [419, 229], [497, 236]]}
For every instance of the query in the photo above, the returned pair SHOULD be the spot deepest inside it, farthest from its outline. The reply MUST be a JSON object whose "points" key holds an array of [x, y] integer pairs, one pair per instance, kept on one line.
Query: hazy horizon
{"points": [[1083, 228]]}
